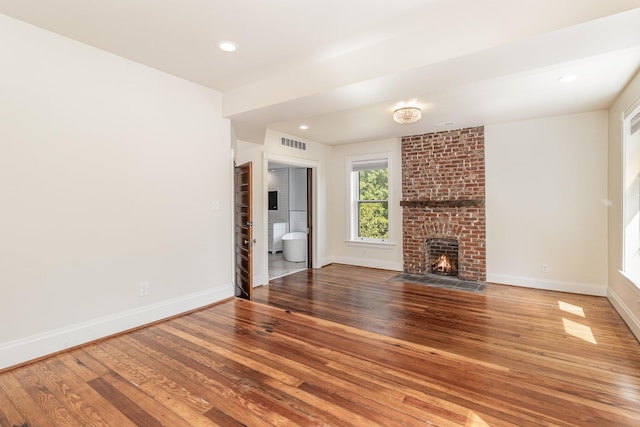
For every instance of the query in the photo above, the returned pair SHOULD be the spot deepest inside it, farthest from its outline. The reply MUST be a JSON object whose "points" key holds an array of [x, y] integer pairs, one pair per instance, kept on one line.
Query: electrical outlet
{"points": [[545, 268], [143, 289]]}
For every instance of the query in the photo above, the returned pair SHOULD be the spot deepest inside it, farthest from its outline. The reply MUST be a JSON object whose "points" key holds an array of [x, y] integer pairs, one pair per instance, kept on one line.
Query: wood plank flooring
{"points": [[345, 346]]}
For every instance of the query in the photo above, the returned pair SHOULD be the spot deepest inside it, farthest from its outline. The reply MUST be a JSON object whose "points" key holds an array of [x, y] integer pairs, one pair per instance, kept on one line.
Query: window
{"points": [[369, 213], [631, 198]]}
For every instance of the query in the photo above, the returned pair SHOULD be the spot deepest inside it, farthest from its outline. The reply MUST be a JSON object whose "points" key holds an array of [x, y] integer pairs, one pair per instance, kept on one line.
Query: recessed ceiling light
{"points": [[567, 78], [303, 127], [227, 46]]}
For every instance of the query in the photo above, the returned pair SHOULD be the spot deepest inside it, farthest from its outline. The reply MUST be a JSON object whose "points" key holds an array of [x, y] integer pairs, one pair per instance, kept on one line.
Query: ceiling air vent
{"points": [[299, 145], [635, 124]]}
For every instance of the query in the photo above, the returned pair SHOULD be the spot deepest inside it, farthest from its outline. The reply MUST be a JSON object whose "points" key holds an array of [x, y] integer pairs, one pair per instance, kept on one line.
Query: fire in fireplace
{"points": [[442, 256], [444, 266]]}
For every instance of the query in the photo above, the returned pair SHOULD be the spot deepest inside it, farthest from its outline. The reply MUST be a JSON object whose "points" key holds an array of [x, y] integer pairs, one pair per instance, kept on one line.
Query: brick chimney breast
{"points": [[443, 196]]}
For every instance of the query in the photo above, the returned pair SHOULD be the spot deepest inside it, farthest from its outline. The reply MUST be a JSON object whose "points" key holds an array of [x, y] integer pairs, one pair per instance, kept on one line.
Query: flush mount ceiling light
{"points": [[227, 46], [303, 127], [407, 115]]}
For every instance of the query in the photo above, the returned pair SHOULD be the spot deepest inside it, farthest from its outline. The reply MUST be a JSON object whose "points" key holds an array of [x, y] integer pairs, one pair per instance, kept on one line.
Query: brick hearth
{"points": [[443, 196]]}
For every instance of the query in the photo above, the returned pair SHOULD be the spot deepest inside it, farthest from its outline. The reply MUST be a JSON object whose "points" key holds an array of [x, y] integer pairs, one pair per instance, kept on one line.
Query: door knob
{"points": [[252, 242]]}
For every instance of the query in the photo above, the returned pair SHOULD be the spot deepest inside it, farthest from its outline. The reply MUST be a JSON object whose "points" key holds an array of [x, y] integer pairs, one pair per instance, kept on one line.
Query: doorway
{"points": [[290, 236]]}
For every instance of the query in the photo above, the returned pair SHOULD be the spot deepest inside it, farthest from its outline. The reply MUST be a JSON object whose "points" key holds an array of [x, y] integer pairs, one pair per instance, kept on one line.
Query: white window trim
{"points": [[386, 244], [351, 192]]}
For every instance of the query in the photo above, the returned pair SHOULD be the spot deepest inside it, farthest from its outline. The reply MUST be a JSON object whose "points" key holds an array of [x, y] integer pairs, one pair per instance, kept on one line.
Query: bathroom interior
{"points": [[287, 246]]}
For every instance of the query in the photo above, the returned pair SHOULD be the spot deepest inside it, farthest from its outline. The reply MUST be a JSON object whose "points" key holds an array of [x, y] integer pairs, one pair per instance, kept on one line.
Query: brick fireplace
{"points": [[443, 199]]}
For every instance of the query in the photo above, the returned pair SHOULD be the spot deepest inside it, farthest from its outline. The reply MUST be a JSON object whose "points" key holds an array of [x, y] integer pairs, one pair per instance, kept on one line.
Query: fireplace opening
{"points": [[442, 257]]}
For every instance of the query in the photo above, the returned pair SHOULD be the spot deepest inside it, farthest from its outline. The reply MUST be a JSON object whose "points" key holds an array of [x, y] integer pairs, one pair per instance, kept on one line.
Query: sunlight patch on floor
{"points": [[579, 331], [570, 308], [473, 420]]}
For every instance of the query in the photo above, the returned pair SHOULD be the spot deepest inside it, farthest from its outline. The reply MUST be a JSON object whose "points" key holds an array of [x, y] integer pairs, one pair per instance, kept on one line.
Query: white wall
{"points": [[546, 189], [108, 174], [623, 294], [316, 156], [368, 255]]}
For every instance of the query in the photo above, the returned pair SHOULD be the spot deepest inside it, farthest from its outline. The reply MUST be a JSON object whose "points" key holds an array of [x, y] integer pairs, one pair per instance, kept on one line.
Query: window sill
{"points": [[633, 280], [368, 244]]}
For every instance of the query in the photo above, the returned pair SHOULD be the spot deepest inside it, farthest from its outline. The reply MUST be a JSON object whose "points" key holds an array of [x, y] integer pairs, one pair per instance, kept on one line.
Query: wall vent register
{"points": [[299, 145]]}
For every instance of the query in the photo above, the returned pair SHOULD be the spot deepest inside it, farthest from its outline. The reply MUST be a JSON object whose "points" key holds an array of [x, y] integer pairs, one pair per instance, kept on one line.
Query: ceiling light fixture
{"points": [[303, 127], [227, 46], [407, 115]]}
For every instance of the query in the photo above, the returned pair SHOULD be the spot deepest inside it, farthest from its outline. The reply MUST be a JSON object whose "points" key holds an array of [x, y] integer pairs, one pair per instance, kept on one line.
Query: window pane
{"points": [[373, 220], [373, 184]]}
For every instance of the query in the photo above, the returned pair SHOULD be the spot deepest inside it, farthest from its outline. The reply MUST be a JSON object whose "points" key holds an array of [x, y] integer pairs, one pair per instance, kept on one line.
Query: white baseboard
{"points": [[368, 262], [33, 347], [323, 262], [550, 285], [625, 312]]}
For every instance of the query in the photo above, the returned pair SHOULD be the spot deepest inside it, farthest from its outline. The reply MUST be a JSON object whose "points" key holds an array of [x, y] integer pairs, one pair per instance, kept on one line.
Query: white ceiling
{"points": [[340, 66]]}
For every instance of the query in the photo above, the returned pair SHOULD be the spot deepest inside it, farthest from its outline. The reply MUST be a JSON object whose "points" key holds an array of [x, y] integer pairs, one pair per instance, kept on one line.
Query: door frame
{"points": [[313, 262], [310, 216]]}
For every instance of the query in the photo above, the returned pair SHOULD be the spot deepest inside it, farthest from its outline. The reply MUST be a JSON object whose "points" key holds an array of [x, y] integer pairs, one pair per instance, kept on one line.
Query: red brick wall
{"points": [[445, 167]]}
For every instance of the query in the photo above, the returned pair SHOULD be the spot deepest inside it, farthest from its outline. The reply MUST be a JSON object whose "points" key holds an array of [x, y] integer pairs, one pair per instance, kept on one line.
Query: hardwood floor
{"points": [[346, 346]]}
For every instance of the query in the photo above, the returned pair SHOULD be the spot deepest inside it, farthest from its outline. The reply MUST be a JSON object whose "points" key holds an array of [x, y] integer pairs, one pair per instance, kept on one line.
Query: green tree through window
{"points": [[373, 204]]}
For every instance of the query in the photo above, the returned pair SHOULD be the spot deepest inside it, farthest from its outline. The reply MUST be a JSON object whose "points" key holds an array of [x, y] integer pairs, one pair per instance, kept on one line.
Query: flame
{"points": [[443, 265]]}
